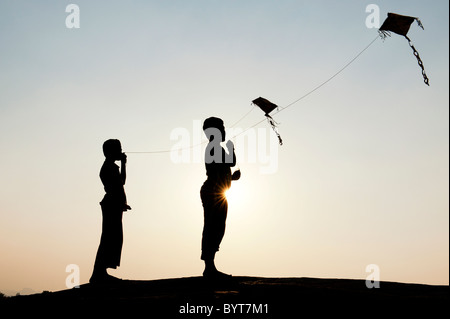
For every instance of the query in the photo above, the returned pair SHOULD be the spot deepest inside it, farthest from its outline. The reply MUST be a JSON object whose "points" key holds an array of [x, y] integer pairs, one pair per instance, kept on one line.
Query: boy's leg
{"points": [[110, 247], [213, 232]]}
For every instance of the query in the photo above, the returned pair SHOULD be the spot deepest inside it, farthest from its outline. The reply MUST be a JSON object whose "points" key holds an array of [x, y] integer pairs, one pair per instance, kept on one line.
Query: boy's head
{"points": [[112, 149], [212, 127]]}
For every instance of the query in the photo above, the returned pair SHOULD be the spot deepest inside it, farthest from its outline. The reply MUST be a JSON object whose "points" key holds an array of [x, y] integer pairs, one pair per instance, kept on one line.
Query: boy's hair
{"points": [[212, 122], [110, 147]]}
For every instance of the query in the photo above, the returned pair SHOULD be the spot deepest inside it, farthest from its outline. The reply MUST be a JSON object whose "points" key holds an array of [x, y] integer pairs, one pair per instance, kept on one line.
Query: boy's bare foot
{"points": [[215, 274], [103, 278]]}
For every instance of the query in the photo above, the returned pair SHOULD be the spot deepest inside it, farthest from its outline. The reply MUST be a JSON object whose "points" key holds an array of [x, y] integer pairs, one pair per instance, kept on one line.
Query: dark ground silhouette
{"points": [[284, 297]]}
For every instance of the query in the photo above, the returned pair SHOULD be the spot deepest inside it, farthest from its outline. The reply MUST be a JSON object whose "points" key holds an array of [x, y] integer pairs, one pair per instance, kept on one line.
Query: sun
{"points": [[233, 194]]}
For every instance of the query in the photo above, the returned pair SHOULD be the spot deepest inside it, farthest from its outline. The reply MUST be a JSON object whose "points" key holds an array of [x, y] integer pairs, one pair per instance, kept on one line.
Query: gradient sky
{"points": [[362, 177]]}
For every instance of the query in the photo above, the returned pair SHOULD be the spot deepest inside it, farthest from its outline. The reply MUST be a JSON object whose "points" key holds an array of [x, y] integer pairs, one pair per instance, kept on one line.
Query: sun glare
{"points": [[230, 195], [233, 194]]}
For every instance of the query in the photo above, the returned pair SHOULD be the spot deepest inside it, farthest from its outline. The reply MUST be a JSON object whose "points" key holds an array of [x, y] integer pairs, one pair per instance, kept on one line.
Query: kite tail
{"points": [[384, 34], [274, 127], [420, 23], [419, 60]]}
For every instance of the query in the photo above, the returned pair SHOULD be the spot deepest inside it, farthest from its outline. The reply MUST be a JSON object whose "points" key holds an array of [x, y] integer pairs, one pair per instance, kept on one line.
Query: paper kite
{"points": [[400, 24], [266, 106]]}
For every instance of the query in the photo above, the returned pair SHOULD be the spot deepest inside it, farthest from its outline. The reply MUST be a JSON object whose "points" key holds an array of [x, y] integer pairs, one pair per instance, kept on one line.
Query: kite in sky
{"points": [[268, 107], [400, 24]]}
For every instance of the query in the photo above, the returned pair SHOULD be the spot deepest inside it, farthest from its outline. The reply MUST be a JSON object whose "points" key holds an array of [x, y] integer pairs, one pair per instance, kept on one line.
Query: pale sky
{"points": [[362, 177]]}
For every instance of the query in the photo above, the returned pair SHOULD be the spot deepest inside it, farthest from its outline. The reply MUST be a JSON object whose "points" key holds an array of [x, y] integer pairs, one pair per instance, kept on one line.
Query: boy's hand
{"points": [[123, 158], [236, 175]]}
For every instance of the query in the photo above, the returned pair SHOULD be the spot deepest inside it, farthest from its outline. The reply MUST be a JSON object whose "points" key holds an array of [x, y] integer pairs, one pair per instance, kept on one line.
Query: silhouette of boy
{"points": [[113, 205], [218, 165]]}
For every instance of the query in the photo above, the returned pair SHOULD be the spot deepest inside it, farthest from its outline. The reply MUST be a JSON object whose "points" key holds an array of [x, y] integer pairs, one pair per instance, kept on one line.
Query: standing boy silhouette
{"points": [[218, 165], [113, 205]]}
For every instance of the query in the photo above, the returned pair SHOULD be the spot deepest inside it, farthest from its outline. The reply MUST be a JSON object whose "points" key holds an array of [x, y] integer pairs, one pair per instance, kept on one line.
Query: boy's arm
{"points": [[230, 147], [123, 168], [237, 174]]}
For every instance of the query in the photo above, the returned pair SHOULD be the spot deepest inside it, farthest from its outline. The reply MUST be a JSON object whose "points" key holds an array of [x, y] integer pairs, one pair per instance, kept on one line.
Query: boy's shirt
{"points": [[219, 174], [113, 184]]}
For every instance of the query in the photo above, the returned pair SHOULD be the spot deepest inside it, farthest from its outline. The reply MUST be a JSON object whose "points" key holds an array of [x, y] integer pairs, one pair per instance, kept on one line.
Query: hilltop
{"points": [[242, 297]]}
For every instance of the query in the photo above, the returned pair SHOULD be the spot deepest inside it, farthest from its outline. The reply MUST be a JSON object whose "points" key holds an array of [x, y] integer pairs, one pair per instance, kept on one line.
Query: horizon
{"points": [[362, 177]]}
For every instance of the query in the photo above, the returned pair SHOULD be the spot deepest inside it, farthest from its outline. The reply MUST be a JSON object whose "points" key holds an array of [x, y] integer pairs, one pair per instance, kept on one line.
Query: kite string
{"points": [[332, 77], [236, 123], [317, 87], [278, 111], [195, 145]]}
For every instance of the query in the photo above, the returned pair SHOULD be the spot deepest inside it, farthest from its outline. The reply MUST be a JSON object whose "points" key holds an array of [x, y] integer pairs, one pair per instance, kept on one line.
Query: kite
{"points": [[266, 106], [400, 24]]}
